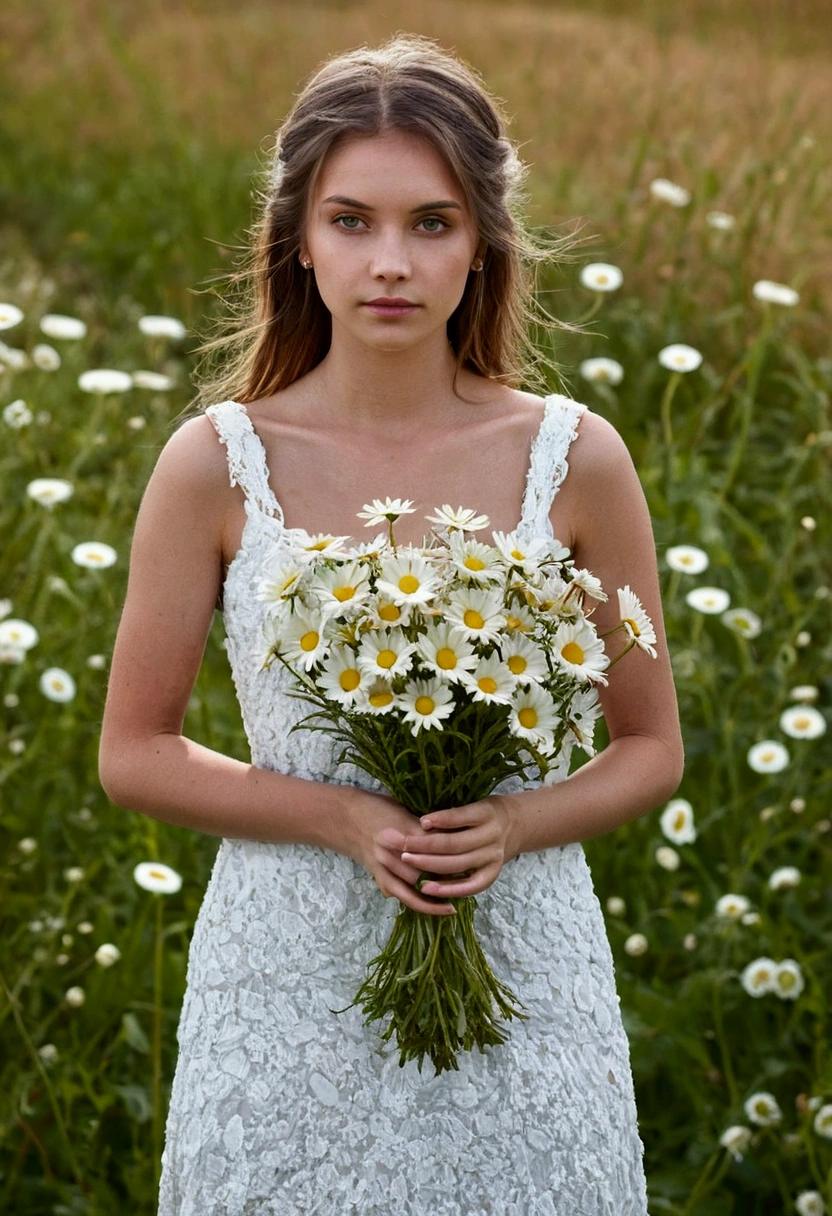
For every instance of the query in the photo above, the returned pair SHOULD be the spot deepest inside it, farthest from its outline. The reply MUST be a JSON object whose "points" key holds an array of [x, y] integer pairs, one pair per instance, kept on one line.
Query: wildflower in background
{"points": [[721, 220], [18, 633], [736, 1140], [687, 559], [808, 523], [732, 907], [136, 423], [155, 381], [758, 977], [49, 490], [788, 980], [97, 662], [823, 1122], [13, 358], [85, 927], [601, 276], [804, 693], [810, 1203], [763, 1110], [94, 555], [157, 877], [679, 358], [784, 878], [74, 874], [48, 1053], [636, 944], [802, 722], [750, 918], [676, 821], [27, 845], [75, 997], [667, 858], [105, 380], [602, 371], [742, 621], [17, 415], [797, 806], [768, 757], [10, 316], [426, 703], [11, 700], [16, 746], [689, 941], [45, 357], [775, 293], [710, 600], [668, 192], [162, 327], [803, 638], [107, 955], [56, 325], [57, 685], [616, 905]]}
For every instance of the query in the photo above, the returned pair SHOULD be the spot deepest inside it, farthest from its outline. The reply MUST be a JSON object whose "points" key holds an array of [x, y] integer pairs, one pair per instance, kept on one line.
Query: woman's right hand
{"points": [[379, 828]]}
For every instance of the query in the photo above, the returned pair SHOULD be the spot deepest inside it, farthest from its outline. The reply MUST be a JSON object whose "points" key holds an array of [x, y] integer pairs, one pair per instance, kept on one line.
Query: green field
{"points": [[127, 152]]}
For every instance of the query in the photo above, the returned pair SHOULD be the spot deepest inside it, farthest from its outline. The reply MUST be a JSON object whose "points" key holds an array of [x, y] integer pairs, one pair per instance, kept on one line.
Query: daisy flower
{"points": [[668, 192], [490, 681], [722, 221], [341, 678], [477, 614], [302, 638], [162, 327], [157, 382], [709, 600], [774, 293], [525, 557], [407, 578], [784, 878], [75, 997], [788, 980], [105, 380], [804, 693], [318, 542], [823, 1122], [45, 357], [742, 621], [758, 977], [463, 519], [802, 722], [768, 757], [667, 857], [284, 579], [57, 685], [676, 821], [107, 955], [636, 944], [339, 590], [157, 877], [519, 619], [583, 712], [679, 358], [18, 633], [601, 276], [524, 659], [56, 325], [809, 1203], [379, 697], [636, 621], [533, 716], [94, 555], [763, 1110], [552, 595], [736, 1139], [386, 653], [17, 415], [49, 490], [10, 315], [601, 370], [426, 703], [589, 584], [14, 358], [383, 612], [376, 547], [687, 559], [388, 510], [732, 907], [446, 654], [578, 650], [476, 561]]}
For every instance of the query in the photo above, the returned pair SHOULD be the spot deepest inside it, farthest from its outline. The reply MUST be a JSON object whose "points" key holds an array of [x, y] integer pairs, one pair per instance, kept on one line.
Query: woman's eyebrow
{"points": [[343, 201]]}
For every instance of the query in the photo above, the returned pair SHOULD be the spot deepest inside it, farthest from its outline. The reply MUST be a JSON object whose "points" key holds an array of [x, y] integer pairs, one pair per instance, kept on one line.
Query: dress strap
{"points": [[548, 463], [246, 456]]}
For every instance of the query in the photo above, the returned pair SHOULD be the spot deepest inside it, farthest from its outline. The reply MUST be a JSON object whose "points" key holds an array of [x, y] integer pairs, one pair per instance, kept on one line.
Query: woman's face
{"points": [[389, 221]]}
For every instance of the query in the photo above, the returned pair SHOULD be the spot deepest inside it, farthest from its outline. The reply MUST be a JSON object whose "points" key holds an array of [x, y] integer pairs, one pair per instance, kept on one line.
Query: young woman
{"points": [[381, 358]]}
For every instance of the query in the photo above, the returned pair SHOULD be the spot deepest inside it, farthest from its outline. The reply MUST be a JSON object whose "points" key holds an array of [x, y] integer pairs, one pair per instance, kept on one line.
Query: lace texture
{"points": [[281, 1107]]}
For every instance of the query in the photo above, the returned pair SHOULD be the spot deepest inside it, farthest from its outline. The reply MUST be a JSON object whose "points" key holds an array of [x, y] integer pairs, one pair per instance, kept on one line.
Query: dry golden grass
{"points": [[601, 103]]}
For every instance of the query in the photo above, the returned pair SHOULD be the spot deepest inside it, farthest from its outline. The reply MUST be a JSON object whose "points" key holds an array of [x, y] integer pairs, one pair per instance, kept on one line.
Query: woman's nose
{"points": [[390, 259]]}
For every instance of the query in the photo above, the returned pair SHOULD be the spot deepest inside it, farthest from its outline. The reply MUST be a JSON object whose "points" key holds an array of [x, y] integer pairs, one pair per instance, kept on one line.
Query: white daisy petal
{"points": [[680, 358], [775, 293], [636, 621], [57, 685], [710, 600], [105, 380], [676, 821], [56, 325], [426, 704], [668, 192], [802, 722], [156, 876], [162, 327], [601, 276], [762, 1109], [768, 756], [687, 558], [601, 370], [94, 555]]}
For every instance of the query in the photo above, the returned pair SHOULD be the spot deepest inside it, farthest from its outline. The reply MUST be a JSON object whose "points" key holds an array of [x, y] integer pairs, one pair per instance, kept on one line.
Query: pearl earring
{"points": [[477, 264], [306, 264]]}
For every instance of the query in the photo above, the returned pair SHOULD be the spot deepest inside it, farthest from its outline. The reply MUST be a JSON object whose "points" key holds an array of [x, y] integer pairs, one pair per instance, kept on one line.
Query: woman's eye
{"points": [[350, 222], [434, 219]]}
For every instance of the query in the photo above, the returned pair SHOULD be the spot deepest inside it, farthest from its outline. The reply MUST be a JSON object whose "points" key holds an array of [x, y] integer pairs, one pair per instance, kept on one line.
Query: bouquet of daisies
{"points": [[443, 670]]}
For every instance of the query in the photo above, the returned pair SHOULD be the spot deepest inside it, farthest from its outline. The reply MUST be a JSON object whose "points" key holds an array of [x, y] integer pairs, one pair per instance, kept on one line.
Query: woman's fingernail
{"points": [[426, 823]]}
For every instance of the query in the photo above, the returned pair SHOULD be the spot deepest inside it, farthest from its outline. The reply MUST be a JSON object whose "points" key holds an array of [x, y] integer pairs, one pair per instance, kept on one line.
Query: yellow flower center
{"points": [[786, 980], [518, 555], [473, 619], [628, 620], [600, 279], [425, 705], [446, 658], [767, 757], [473, 563], [349, 679], [573, 653], [487, 684], [157, 874], [517, 664], [679, 821], [57, 685], [513, 622], [380, 699], [801, 723], [408, 583], [528, 718], [763, 975], [344, 593], [386, 658], [309, 640], [686, 560], [293, 578], [389, 612], [94, 557], [319, 545]]}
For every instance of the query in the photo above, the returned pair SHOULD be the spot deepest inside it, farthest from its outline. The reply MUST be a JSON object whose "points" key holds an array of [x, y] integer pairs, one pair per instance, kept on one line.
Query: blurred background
{"points": [[131, 141]]}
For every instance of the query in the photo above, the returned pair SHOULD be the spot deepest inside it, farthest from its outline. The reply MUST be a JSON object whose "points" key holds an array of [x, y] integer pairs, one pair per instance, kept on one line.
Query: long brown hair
{"points": [[279, 328]]}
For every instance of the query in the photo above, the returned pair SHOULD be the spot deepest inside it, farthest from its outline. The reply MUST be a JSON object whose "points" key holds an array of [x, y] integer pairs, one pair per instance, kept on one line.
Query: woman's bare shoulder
{"points": [[194, 456]]}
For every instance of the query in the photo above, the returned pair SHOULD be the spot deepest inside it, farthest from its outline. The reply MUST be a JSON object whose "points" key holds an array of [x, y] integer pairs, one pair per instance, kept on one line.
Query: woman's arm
{"points": [[642, 765], [145, 762]]}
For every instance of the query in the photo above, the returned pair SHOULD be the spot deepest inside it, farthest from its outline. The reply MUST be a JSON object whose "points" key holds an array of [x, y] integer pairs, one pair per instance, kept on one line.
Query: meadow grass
{"points": [[126, 202]]}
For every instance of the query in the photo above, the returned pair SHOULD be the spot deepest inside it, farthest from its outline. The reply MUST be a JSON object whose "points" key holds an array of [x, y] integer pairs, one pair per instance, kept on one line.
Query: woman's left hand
{"points": [[470, 844]]}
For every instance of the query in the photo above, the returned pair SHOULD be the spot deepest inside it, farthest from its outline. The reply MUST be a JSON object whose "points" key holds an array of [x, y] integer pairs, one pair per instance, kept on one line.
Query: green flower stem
{"points": [[156, 1043], [719, 1029], [707, 1180], [667, 419], [754, 363], [592, 310]]}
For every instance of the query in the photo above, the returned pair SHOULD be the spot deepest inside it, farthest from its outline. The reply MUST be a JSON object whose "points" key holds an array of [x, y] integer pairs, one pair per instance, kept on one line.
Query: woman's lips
{"points": [[391, 308]]}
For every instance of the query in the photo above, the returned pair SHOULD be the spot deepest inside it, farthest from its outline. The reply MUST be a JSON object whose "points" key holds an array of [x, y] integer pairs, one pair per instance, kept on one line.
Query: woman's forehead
{"points": [[392, 164]]}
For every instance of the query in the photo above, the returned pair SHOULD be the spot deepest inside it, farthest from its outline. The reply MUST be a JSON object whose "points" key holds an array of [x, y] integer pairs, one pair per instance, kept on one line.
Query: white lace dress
{"points": [[281, 1107]]}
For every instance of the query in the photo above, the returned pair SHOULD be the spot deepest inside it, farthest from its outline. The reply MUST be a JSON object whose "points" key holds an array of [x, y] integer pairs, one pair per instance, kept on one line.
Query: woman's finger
{"points": [[449, 863]]}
